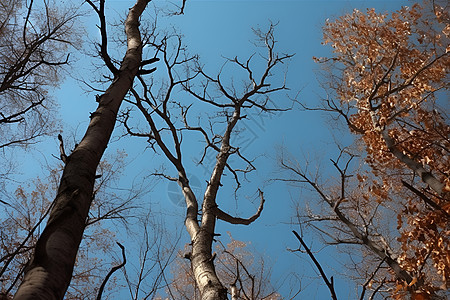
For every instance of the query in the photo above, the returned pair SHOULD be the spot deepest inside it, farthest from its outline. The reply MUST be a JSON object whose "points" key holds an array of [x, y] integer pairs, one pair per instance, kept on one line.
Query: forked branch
{"points": [[104, 44]]}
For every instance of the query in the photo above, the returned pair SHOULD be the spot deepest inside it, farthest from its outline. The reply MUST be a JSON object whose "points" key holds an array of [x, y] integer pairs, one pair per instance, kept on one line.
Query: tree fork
{"points": [[49, 272]]}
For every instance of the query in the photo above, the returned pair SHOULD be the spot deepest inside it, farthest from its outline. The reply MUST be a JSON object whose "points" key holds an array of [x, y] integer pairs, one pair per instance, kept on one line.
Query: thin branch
{"points": [[11, 118], [104, 44], [329, 283], [425, 198], [113, 269], [63, 155], [370, 279], [377, 289], [30, 234]]}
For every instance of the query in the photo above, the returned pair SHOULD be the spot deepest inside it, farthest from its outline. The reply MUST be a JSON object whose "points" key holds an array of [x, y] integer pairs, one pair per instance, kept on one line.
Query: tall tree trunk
{"points": [[50, 270], [201, 257]]}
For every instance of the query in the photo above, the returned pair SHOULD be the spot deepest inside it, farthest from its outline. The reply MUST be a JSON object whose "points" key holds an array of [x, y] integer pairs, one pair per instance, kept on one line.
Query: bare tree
{"points": [[33, 52], [35, 38], [166, 131], [350, 217], [157, 250], [28, 210], [49, 272]]}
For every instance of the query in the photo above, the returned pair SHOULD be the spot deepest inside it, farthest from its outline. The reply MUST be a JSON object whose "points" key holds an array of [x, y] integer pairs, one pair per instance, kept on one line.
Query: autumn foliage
{"points": [[389, 76]]}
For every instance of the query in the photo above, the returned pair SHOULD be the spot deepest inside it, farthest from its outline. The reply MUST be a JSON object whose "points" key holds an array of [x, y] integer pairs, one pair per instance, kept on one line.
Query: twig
{"points": [[370, 279], [63, 155]]}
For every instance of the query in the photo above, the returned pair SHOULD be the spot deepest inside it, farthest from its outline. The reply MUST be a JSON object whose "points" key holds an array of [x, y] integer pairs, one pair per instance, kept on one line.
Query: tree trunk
{"points": [[202, 263], [202, 259], [50, 270]]}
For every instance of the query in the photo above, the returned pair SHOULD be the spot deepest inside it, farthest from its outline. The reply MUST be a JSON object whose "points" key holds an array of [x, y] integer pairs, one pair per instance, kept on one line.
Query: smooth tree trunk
{"points": [[50, 270], [202, 260], [202, 257]]}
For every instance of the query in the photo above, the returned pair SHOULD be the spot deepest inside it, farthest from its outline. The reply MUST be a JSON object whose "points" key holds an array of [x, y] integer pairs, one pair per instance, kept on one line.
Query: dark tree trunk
{"points": [[50, 270]]}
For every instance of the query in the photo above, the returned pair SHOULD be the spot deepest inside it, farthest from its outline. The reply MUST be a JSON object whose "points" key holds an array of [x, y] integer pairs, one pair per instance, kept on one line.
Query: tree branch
{"points": [[329, 283], [113, 269], [104, 44], [235, 220], [425, 198]]}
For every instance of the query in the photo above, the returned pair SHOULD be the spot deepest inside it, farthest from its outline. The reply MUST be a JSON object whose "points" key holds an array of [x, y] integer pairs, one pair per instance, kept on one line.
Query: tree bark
{"points": [[202, 259], [50, 270], [426, 176]]}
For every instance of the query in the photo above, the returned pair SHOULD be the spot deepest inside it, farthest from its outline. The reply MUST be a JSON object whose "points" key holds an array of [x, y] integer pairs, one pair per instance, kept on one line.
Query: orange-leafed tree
{"points": [[387, 74], [388, 79]]}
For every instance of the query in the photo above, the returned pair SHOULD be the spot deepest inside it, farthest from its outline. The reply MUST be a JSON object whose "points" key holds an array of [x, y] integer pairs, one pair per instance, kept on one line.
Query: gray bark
{"points": [[202, 259], [426, 176], [49, 272]]}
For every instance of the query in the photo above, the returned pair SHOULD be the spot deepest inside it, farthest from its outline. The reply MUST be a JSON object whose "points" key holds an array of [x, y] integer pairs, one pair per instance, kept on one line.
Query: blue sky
{"points": [[214, 29]]}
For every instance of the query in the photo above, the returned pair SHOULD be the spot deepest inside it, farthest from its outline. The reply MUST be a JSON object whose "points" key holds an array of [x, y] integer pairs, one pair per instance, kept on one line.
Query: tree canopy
{"points": [[97, 221], [387, 81]]}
